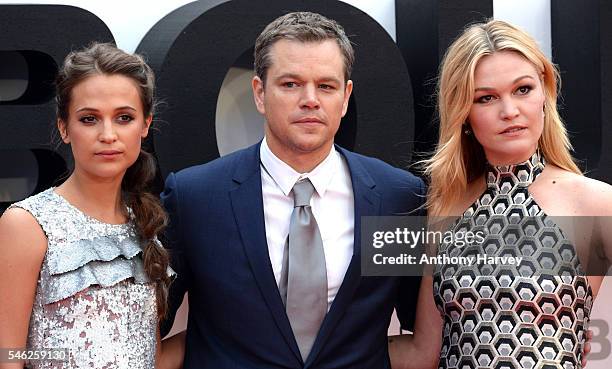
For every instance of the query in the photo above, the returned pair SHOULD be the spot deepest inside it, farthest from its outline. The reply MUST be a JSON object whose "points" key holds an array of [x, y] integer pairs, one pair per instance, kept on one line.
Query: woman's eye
{"points": [[88, 119], [125, 118], [523, 90], [484, 99]]}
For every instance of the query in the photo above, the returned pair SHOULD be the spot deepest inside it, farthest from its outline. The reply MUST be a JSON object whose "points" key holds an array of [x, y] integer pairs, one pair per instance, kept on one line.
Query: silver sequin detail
{"points": [[499, 316], [93, 296]]}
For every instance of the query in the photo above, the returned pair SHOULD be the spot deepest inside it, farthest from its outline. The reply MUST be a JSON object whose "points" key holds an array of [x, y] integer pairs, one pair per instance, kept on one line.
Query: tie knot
{"points": [[302, 192]]}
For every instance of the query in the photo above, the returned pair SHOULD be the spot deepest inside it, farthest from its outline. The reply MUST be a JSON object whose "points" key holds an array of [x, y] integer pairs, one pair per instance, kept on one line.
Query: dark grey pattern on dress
{"points": [[502, 316]]}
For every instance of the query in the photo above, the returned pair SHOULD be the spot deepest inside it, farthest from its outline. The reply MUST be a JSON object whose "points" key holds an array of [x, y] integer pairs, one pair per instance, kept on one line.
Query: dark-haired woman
{"points": [[83, 278]]}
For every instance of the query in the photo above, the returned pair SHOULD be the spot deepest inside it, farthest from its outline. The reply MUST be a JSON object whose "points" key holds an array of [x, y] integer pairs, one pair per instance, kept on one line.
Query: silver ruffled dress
{"points": [[93, 297]]}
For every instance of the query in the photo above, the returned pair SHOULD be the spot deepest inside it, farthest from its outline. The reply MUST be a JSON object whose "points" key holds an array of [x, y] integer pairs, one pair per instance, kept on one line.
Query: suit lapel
{"points": [[367, 202], [247, 205]]}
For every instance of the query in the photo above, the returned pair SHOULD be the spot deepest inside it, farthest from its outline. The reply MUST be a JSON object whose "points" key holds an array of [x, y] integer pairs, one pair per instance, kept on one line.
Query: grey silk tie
{"points": [[303, 282]]}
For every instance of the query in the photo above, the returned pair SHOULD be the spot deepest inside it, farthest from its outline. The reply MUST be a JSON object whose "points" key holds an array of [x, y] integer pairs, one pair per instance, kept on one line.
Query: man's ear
{"points": [[348, 89], [147, 125], [62, 127], [258, 94]]}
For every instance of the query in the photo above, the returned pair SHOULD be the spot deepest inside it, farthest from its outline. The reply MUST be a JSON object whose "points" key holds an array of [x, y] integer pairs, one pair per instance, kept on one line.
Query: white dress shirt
{"points": [[332, 205]]}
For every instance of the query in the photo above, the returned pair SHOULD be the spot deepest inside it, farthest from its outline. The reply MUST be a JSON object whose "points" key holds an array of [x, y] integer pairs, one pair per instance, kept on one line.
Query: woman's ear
{"points": [[147, 125], [62, 127]]}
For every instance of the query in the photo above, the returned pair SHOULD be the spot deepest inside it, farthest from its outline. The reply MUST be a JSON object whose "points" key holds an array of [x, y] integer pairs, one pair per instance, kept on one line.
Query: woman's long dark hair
{"points": [[148, 215]]}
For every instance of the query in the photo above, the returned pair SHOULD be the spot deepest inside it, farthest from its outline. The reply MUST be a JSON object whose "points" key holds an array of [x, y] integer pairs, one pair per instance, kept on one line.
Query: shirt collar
{"points": [[285, 176]]}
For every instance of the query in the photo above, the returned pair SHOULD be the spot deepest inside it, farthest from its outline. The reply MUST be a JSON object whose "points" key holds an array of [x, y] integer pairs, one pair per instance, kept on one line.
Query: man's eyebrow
{"points": [[295, 76], [288, 75], [331, 79]]}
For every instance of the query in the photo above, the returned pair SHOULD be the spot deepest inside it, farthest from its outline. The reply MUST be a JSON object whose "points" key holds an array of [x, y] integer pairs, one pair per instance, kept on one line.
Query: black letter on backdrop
{"points": [[581, 38], [193, 47], [43, 35], [605, 40], [425, 29]]}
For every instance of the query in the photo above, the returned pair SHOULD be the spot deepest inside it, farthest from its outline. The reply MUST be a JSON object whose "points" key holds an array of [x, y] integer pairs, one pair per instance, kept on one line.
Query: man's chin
{"points": [[314, 146]]}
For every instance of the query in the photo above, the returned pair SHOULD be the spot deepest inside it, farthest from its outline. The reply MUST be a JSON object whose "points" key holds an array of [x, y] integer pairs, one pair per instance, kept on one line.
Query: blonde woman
{"points": [[503, 160]]}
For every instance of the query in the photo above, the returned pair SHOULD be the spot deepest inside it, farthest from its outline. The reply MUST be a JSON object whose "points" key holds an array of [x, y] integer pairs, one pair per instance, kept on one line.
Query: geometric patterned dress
{"points": [[529, 315]]}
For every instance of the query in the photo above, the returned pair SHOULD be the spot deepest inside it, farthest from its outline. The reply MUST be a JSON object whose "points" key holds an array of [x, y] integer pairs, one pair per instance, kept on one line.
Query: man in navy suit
{"points": [[252, 252]]}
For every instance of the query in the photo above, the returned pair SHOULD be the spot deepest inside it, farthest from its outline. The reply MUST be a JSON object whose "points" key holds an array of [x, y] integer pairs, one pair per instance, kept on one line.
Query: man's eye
{"points": [[326, 87], [289, 84]]}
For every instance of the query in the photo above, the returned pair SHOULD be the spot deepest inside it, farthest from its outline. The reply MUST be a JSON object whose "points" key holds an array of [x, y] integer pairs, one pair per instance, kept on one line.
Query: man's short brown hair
{"points": [[304, 27]]}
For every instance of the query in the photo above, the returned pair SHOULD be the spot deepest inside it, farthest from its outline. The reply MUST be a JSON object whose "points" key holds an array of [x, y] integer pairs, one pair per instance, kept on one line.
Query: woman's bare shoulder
{"points": [[593, 196], [597, 196], [20, 233]]}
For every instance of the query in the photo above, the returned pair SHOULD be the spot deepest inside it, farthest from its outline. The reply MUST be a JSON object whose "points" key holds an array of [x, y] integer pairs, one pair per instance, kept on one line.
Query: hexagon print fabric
{"points": [[498, 314]]}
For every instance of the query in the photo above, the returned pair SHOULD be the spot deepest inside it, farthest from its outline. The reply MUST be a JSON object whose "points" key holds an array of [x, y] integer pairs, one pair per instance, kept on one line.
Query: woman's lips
{"points": [[514, 131], [108, 153]]}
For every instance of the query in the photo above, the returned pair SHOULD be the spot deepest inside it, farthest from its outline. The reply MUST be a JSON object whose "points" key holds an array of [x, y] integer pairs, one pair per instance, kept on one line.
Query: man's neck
{"points": [[301, 162]]}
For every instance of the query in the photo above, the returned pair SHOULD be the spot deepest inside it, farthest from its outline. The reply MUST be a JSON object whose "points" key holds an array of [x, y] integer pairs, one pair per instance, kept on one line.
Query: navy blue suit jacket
{"points": [[217, 240]]}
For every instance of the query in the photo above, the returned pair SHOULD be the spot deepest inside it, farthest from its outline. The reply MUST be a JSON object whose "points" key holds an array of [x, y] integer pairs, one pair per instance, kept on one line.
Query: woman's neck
{"points": [[100, 199]]}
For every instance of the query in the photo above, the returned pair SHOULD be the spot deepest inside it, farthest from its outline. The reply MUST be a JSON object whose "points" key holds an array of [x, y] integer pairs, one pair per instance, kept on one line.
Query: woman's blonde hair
{"points": [[459, 159]]}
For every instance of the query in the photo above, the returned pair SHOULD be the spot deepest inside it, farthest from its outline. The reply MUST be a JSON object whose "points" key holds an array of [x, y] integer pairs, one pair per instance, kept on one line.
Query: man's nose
{"points": [[310, 98]]}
